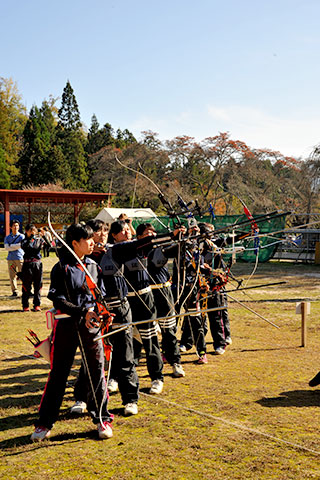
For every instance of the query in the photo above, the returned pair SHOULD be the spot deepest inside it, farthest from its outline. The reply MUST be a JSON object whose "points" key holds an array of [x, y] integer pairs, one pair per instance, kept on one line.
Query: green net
{"points": [[267, 244]]}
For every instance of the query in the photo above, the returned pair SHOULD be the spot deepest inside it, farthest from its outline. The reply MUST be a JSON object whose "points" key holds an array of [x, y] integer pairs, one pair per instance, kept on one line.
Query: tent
{"points": [[108, 215]]}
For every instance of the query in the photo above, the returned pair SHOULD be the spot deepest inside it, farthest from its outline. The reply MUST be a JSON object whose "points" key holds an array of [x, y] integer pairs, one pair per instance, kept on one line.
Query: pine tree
{"points": [[69, 115], [94, 138], [70, 139]]}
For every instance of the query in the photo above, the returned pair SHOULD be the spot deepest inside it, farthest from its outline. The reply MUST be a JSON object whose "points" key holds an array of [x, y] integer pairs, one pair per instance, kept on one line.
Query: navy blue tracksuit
{"points": [[69, 295], [31, 273]]}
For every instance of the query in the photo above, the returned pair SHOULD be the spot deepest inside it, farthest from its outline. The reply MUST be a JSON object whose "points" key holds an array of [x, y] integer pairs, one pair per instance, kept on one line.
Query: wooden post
{"points": [[304, 309], [303, 324]]}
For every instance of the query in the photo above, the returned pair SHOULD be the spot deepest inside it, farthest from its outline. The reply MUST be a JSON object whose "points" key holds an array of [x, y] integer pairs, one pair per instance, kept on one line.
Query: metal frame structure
{"points": [[33, 197]]}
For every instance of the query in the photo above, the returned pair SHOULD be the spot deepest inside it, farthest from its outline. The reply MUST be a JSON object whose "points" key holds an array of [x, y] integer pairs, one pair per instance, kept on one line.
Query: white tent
{"points": [[108, 215]]}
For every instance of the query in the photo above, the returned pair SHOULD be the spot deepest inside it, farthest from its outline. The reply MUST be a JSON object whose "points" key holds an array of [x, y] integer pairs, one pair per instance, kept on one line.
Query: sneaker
{"points": [[130, 409], [26, 309], [202, 359], [105, 430], [178, 370], [40, 434], [78, 408], [219, 351], [315, 380], [113, 386], [183, 348], [37, 309], [156, 387], [14, 294], [228, 340]]}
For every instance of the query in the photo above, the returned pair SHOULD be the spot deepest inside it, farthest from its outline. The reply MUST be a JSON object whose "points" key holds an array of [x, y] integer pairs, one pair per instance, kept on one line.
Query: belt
{"points": [[139, 292], [32, 260], [160, 285]]}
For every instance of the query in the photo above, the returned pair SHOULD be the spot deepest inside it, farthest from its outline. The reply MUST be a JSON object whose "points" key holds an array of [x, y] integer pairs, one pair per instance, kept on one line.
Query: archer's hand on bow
{"points": [[92, 319], [181, 229]]}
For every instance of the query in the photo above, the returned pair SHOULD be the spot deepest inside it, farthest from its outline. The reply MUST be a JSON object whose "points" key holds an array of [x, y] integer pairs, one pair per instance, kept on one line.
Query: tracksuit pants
{"points": [[219, 321], [65, 340], [143, 308], [31, 274], [164, 301]]}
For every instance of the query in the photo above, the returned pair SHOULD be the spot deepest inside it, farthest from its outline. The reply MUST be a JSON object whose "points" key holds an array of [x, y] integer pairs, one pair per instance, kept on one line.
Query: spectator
{"points": [[32, 268], [124, 217], [12, 243], [47, 245]]}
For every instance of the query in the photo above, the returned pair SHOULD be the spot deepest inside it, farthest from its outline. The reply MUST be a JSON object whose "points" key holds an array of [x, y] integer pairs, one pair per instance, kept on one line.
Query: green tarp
{"points": [[268, 244]]}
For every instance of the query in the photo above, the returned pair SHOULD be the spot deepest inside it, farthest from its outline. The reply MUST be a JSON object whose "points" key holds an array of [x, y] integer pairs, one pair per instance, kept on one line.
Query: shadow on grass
{"points": [[11, 310], [24, 366], [17, 421], [267, 349], [24, 440], [293, 398]]}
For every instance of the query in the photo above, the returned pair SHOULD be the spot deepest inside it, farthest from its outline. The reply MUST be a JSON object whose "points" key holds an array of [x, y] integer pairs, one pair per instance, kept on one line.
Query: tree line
{"points": [[49, 145]]}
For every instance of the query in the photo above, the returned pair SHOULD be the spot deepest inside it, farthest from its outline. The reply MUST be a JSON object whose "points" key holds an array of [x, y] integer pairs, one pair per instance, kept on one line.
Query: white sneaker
{"points": [[178, 370], [219, 351], [183, 348], [113, 386], [130, 409], [228, 340], [105, 430], [40, 434], [78, 408], [156, 387]]}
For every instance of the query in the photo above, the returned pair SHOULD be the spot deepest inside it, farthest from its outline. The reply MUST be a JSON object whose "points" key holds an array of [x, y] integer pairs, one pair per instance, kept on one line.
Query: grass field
{"points": [[248, 414]]}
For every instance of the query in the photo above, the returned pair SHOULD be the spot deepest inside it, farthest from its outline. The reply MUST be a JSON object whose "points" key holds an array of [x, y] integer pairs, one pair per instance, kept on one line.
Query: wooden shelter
{"points": [[48, 198]]}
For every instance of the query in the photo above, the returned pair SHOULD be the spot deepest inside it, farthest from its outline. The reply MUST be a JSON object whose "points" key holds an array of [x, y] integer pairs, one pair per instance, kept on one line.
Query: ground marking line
{"points": [[231, 423]]}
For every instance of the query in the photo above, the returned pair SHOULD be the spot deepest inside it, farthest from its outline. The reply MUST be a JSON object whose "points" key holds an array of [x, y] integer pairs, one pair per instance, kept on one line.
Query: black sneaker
{"points": [[14, 294], [315, 380]]}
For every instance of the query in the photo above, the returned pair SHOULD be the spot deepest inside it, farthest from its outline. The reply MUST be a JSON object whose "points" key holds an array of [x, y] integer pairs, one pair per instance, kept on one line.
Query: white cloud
{"points": [[291, 136]]}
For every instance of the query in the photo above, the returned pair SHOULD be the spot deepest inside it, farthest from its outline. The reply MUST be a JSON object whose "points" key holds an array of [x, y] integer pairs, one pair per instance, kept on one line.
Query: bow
{"points": [[165, 202], [254, 229]]}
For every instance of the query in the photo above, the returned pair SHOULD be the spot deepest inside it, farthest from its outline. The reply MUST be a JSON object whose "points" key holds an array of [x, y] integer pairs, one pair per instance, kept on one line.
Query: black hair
{"points": [[76, 231], [96, 224], [142, 227], [205, 228], [29, 226], [115, 227], [14, 221]]}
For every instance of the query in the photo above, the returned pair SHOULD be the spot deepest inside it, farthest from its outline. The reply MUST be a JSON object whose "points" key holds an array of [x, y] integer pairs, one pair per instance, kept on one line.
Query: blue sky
{"points": [[176, 67]]}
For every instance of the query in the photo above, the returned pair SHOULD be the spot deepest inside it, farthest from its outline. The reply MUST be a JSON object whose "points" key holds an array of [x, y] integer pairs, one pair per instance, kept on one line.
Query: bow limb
{"points": [[69, 248], [254, 229], [139, 173], [166, 203]]}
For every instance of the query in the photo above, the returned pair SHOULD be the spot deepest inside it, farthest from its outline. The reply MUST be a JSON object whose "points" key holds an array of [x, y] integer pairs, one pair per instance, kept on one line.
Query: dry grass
{"points": [[248, 414]]}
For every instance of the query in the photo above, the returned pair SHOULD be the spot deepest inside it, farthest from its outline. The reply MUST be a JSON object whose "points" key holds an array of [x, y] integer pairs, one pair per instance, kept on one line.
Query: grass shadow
{"points": [[293, 398], [62, 438]]}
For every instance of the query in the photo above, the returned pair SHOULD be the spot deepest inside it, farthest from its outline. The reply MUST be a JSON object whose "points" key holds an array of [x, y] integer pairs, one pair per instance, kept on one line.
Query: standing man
{"points": [[12, 243], [32, 268]]}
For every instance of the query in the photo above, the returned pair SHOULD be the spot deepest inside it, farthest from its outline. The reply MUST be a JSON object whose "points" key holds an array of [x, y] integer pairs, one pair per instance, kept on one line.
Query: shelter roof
{"points": [[50, 196]]}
